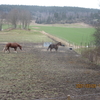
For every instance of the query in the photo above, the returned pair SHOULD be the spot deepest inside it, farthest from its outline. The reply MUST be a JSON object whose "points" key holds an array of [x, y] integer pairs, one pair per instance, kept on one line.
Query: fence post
{"points": [[68, 97]]}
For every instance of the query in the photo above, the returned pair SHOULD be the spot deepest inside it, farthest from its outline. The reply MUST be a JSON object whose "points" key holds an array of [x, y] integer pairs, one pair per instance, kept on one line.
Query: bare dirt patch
{"points": [[36, 73]]}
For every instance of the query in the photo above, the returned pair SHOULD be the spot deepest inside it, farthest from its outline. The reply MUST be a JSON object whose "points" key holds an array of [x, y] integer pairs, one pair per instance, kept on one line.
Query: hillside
{"points": [[54, 14]]}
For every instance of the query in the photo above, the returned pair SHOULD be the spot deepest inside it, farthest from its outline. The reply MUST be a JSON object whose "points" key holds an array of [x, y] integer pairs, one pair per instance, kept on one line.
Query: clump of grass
{"points": [[92, 54]]}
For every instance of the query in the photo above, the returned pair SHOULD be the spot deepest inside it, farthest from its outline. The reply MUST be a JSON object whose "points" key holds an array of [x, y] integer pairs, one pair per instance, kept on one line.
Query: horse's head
{"points": [[60, 44], [20, 47]]}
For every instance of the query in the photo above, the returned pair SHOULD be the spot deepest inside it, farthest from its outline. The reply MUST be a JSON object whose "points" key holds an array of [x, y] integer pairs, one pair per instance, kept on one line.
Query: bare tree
{"points": [[13, 17], [19, 17], [25, 18], [2, 16]]}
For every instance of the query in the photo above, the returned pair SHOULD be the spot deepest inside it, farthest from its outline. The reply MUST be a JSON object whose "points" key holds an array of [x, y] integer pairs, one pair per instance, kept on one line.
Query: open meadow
{"points": [[37, 74], [23, 36], [75, 33]]}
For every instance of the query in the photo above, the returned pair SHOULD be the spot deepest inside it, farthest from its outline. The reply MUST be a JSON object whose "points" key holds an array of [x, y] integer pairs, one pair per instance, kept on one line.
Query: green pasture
{"points": [[73, 35], [5, 26], [77, 35], [22, 36]]}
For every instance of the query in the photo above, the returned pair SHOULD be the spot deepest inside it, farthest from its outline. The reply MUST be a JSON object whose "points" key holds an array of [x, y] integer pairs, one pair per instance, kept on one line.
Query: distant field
{"points": [[70, 34]]}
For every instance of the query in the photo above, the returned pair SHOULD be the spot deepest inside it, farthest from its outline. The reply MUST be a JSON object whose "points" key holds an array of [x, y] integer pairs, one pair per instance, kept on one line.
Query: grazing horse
{"points": [[54, 46], [12, 45]]}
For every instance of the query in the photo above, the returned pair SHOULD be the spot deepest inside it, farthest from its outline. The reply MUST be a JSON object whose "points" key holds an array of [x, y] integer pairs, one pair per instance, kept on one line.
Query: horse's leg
{"points": [[15, 50], [50, 49], [4, 49], [8, 49], [56, 48]]}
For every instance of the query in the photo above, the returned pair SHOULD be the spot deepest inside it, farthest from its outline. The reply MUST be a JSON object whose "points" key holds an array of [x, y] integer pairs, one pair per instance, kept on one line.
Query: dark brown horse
{"points": [[12, 45], [54, 46]]}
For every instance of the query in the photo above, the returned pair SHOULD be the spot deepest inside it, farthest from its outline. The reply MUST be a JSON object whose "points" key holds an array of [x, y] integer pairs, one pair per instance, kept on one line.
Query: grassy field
{"points": [[5, 26], [71, 34], [22, 36]]}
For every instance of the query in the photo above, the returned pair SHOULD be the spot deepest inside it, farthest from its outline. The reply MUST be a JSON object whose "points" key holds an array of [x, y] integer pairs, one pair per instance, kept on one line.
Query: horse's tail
{"points": [[47, 48]]}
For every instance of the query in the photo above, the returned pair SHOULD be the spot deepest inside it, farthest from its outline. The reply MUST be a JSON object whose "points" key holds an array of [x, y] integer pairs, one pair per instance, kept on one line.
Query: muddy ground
{"points": [[49, 75]]}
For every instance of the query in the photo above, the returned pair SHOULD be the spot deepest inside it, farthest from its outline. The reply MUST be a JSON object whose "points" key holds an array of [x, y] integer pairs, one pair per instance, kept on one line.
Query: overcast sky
{"points": [[73, 3]]}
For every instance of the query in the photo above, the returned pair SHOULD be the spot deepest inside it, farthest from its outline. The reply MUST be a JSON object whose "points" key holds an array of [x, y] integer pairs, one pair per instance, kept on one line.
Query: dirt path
{"points": [[53, 75]]}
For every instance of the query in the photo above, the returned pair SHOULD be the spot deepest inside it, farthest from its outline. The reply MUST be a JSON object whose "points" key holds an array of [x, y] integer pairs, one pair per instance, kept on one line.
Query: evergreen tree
{"points": [[97, 34]]}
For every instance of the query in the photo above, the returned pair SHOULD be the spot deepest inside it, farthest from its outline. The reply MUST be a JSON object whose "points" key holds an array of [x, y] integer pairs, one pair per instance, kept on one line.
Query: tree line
{"points": [[16, 18], [46, 15]]}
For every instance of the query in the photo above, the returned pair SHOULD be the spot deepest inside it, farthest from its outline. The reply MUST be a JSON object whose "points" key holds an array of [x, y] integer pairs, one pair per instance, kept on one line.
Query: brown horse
{"points": [[54, 46], [12, 45]]}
